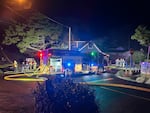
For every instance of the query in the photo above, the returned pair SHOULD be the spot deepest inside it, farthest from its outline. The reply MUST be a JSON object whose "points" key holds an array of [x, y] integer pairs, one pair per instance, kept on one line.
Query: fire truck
{"points": [[62, 61]]}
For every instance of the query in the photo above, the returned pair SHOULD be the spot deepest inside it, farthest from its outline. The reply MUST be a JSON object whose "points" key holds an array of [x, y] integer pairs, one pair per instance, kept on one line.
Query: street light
{"points": [[20, 1], [20, 4]]}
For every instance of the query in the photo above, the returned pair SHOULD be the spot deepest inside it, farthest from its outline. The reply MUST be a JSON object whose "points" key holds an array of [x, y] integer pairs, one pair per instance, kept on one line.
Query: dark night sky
{"points": [[93, 19], [98, 18]]}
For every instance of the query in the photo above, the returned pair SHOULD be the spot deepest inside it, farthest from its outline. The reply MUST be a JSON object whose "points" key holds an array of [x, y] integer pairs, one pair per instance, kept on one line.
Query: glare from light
{"points": [[92, 64], [20, 1], [69, 64]]}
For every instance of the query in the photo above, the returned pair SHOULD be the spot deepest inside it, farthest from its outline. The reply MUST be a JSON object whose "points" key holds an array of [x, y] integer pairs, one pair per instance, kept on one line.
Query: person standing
{"points": [[117, 62], [30, 65], [123, 63], [23, 67], [34, 65], [15, 66], [27, 66]]}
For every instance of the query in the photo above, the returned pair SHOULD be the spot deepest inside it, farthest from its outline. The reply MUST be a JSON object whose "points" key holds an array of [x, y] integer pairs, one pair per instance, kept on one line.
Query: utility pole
{"points": [[69, 38]]}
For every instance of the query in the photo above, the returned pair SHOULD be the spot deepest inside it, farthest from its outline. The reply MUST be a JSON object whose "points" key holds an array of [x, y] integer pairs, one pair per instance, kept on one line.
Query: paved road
{"points": [[108, 78], [115, 99], [16, 97]]}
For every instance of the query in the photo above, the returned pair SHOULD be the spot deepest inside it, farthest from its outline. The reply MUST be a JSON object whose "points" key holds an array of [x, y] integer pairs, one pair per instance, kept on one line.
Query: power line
{"points": [[11, 9], [57, 22], [14, 11]]}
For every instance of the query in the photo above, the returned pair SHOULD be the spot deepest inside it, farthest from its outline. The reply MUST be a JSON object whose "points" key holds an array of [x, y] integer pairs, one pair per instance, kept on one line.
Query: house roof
{"points": [[64, 52], [96, 47], [77, 52]]}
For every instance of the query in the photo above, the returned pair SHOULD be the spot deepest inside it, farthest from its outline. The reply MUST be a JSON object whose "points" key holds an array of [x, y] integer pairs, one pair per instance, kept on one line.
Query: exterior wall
{"points": [[75, 59]]}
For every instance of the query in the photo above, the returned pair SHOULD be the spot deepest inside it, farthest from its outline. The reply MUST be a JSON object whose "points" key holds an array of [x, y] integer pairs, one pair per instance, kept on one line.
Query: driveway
{"points": [[16, 96]]}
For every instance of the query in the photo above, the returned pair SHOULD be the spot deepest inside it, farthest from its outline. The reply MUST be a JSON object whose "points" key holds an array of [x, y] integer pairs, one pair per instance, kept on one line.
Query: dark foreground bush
{"points": [[60, 95]]}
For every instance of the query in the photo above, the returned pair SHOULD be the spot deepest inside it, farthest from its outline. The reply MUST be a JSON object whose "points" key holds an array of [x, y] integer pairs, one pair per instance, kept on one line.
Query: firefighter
{"points": [[34, 65], [15, 66]]}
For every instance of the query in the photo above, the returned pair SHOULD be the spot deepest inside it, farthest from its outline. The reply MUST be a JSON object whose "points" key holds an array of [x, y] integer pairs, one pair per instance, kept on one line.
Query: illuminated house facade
{"points": [[92, 53], [84, 53]]}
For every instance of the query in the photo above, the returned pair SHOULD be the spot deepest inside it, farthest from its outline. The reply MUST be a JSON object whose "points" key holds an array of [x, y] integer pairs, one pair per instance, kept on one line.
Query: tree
{"points": [[142, 35], [37, 33], [62, 95], [138, 57]]}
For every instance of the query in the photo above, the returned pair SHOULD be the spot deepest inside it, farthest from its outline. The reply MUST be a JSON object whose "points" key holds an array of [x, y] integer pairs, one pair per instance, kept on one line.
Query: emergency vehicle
{"points": [[62, 61]]}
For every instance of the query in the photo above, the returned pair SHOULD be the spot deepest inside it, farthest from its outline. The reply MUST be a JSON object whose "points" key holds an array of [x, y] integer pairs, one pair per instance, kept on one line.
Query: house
{"points": [[118, 52], [83, 56], [92, 53]]}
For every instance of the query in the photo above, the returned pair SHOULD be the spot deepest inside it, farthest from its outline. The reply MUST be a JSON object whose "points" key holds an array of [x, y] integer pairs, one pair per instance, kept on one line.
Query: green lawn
{"points": [[5, 65]]}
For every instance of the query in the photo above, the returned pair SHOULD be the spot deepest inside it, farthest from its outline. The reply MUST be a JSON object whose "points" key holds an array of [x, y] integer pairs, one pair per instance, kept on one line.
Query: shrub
{"points": [[120, 73], [61, 95]]}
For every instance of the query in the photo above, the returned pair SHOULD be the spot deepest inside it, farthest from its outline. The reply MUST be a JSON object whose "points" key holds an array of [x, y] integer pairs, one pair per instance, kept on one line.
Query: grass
{"points": [[5, 65]]}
